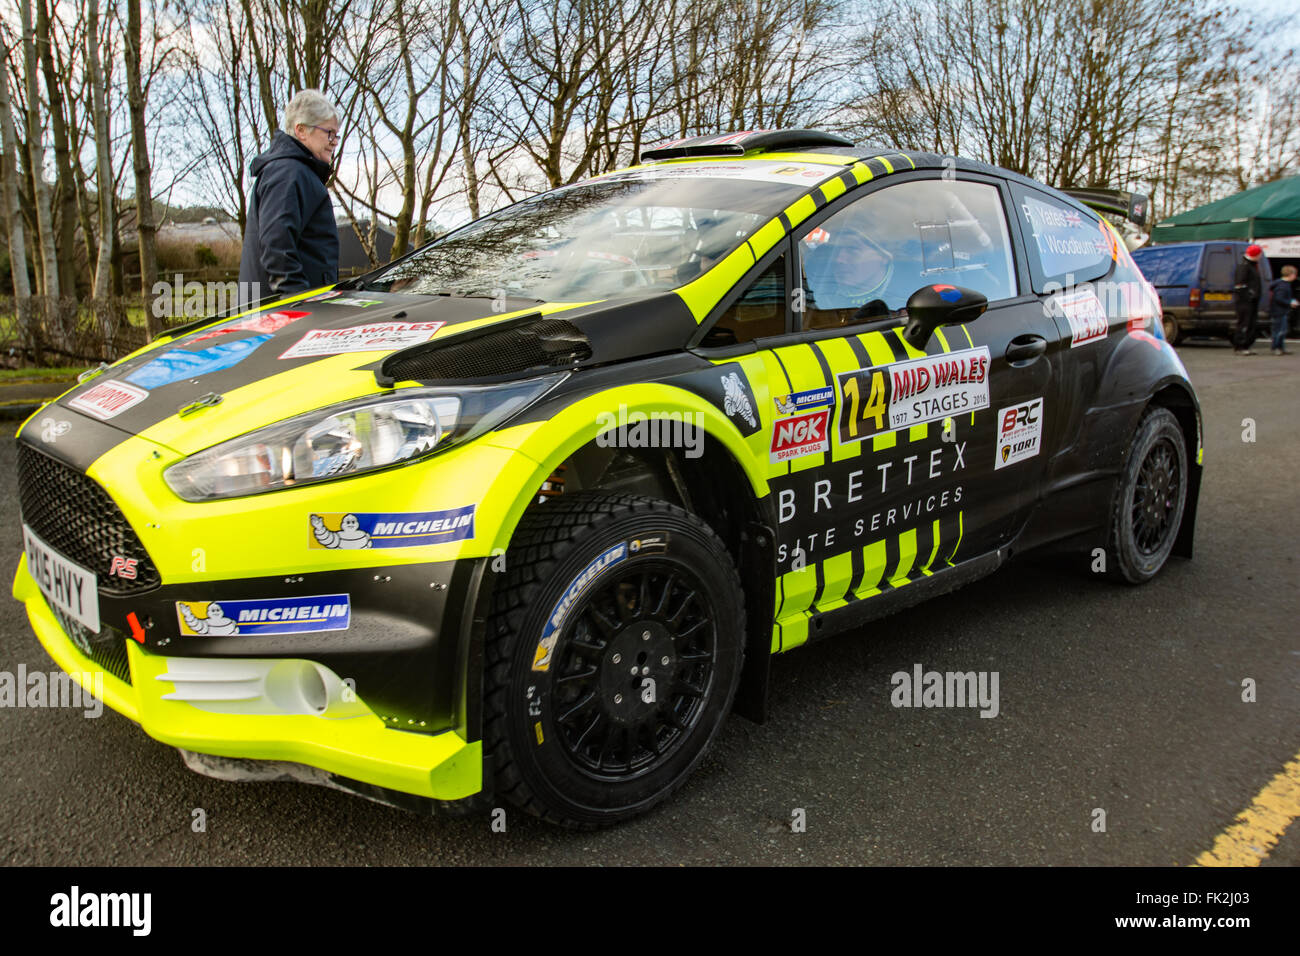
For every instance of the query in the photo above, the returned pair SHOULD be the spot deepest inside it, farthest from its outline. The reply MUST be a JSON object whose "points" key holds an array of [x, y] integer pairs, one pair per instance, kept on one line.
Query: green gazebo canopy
{"points": [[1260, 213]]}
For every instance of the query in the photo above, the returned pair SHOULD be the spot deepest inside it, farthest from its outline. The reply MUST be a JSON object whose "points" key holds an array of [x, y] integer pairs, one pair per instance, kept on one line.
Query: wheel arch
{"points": [[1181, 401]]}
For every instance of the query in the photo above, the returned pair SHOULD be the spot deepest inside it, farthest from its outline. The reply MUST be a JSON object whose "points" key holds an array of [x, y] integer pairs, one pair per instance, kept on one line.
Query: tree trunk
{"points": [[140, 151], [103, 162], [49, 285], [65, 199], [9, 179]]}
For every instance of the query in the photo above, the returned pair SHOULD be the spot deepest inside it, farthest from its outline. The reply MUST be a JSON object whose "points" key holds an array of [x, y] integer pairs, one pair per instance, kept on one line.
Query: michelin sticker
{"points": [[797, 402], [887, 397], [107, 399], [556, 619], [381, 337], [352, 531], [264, 616], [1087, 318]]}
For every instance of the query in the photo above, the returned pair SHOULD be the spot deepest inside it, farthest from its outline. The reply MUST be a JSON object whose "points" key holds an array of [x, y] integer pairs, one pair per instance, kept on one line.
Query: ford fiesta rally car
{"points": [[524, 515]]}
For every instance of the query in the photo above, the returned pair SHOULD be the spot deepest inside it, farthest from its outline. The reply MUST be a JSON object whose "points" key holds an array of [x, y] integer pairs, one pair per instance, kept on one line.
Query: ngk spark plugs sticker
{"points": [[801, 435], [381, 337], [107, 399], [322, 612], [1087, 318], [1020, 433], [887, 397], [356, 530]]}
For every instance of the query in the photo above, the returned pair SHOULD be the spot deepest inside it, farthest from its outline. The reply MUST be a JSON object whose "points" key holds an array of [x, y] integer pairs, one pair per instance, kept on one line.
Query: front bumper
{"points": [[353, 743]]}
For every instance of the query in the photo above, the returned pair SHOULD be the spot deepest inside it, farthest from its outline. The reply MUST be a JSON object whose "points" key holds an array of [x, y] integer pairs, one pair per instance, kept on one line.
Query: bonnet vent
{"points": [[532, 344]]}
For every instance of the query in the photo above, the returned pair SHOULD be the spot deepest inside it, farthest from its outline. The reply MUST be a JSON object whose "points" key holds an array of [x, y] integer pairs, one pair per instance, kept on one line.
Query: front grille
{"points": [[544, 344], [78, 519], [106, 649]]}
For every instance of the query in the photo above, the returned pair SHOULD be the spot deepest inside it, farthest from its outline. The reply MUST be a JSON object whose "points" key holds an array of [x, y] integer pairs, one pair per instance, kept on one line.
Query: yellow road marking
{"points": [[1259, 826]]}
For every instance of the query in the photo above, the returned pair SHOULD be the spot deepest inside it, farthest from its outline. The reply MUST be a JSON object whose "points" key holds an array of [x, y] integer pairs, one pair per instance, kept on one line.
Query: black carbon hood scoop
{"points": [[524, 345]]}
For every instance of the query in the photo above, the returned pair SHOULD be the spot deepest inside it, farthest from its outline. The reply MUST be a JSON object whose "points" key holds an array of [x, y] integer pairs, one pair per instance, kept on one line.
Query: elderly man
{"points": [[291, 242]]}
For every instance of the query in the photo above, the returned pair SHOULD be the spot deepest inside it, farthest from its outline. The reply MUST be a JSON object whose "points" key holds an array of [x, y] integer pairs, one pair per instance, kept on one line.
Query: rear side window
{"points": [[1220, 269], [1169, 265], [1066, 246]]}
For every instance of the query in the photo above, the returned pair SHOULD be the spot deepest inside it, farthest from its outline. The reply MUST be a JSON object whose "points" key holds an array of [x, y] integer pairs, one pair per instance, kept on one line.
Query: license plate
{"points": [[66, 585], [1218, 296]]}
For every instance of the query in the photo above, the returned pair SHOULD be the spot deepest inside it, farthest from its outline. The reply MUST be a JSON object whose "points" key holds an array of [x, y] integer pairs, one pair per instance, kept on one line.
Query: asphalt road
{"points": [[1112, 697]]}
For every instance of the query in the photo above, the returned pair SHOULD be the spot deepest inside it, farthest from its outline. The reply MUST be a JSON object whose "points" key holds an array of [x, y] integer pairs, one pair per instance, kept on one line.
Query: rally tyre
{"points": [[614, 650], [1149, 499]]}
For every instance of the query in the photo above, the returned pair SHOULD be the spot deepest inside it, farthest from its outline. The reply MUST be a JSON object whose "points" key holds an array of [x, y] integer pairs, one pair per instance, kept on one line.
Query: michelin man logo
{"points": [[785, 404], [735, 400], [215, 623], [349, 536]]}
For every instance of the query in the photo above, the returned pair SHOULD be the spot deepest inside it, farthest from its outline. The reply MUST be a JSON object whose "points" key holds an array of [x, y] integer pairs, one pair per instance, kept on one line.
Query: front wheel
{"points": [[614, 652], [1149, 499]]}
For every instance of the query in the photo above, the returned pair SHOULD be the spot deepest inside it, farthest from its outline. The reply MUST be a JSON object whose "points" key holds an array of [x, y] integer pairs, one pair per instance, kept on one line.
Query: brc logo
{"points": [[801, 435], [1020, 416], [123, 567]]}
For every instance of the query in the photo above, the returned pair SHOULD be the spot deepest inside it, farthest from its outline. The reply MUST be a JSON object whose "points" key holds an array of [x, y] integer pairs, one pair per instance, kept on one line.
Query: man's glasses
{"points": [[333, 134]]}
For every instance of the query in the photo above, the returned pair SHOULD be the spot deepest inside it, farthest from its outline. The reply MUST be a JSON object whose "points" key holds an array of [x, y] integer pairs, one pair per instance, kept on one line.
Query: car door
{"points": [[889, 462]]}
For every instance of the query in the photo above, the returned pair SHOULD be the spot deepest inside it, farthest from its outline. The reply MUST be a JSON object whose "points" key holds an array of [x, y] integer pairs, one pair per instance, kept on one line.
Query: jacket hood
{"points": [[284, 146]]}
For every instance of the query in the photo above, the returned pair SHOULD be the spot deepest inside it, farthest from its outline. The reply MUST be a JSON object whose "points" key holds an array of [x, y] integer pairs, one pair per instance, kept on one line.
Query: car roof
{"points": [[828, 148]]}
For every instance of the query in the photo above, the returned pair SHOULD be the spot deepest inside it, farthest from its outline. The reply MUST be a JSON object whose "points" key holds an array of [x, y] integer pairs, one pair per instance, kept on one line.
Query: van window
{"points": [[1169, 265], [1220, 269]]}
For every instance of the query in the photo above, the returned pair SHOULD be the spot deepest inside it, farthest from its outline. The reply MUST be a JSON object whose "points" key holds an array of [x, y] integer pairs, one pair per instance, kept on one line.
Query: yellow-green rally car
{"points": [[523, 515]]}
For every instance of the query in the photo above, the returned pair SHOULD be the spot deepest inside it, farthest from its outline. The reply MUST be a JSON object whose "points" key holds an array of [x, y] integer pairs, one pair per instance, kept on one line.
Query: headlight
{"points": [[352, 438]]}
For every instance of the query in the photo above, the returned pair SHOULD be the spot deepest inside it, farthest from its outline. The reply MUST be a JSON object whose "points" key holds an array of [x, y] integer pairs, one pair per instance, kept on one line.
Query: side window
{"points": [[1220, 270], [759, 312], [1066, 246], [865, 261]]}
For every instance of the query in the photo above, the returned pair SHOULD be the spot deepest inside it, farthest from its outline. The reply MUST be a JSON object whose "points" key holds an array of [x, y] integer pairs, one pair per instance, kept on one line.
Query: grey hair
{"points": [[309, 107]]}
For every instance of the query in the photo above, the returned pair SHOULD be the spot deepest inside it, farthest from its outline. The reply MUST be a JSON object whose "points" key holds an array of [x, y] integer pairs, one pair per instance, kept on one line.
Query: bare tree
{"points": [[49, 285], [103, 162]]}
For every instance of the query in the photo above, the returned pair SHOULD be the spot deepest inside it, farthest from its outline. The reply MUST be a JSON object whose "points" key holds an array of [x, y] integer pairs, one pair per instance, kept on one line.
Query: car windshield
{"points": [[628, 234]]}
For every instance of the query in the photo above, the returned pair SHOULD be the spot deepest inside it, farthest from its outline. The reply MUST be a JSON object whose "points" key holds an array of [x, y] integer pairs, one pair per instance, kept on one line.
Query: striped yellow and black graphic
{"points": [[892, 561]]}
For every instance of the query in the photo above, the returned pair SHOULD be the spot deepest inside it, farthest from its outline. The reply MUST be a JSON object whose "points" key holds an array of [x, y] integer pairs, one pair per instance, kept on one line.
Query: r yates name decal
{"points": [[888, 397]]}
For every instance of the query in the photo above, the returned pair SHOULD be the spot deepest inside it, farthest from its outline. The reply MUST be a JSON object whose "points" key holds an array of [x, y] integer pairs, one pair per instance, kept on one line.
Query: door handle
{"points": [[1025, 348]]}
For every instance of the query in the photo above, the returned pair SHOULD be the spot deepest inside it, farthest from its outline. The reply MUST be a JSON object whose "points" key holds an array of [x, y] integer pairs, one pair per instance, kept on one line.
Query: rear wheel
{"points": [[1149, 499], [1172, 332], [614, 652]]}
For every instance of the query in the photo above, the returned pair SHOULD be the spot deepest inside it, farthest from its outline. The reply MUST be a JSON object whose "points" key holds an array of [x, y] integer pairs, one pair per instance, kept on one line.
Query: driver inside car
{"points": [[849, 271]]}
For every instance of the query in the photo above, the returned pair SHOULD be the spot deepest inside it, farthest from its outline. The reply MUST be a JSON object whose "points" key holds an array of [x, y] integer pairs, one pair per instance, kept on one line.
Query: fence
{"points": [[62, 330]]}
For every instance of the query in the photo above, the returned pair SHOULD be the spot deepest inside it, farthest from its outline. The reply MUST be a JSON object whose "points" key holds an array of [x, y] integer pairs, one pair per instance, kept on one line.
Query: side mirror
{"points": [[934, 305]]}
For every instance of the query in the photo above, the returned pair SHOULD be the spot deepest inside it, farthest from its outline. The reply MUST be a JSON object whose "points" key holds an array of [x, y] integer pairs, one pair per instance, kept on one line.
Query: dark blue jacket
{"points": [[1283, 293], [291, 242]]}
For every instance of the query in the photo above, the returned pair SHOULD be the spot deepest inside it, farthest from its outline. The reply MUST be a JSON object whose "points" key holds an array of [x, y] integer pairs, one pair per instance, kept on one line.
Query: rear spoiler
{"points": [[1132, 206], [737, 144]]}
